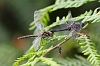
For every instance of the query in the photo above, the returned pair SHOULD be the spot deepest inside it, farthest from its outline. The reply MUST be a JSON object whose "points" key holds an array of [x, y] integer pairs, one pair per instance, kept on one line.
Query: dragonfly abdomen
{"points": [[27, 36]]}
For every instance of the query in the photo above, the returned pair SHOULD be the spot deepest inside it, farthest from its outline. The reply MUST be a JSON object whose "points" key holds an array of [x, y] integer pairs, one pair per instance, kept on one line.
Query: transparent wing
{"points": [[67, 24], [38, 21], [70, 20], [64, 25], [71, 24], [36, 43], [37, 31]]}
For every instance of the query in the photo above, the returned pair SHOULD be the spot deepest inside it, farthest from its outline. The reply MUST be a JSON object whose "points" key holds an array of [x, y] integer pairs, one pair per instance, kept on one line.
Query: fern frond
{"points": [[59, 4], [49, 61], [69, 3], [78, 61], [58, 37], [89, 50], [30, 56], [90, 16], [23, 58]]}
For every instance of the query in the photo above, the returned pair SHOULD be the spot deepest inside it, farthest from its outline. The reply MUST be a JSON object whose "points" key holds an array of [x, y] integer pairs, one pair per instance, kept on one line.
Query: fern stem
{"points": [[58, 45]]}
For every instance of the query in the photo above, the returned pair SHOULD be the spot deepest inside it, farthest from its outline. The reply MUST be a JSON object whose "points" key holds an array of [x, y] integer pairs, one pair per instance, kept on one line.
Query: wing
{"points": [[38, 21], [67, 24], [37, 31], [36, 43], [70, 20]]}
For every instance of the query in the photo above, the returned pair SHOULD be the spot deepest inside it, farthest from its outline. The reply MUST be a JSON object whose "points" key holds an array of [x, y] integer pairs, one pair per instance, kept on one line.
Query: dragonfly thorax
{"points": [[47, 34], [76, 26]]}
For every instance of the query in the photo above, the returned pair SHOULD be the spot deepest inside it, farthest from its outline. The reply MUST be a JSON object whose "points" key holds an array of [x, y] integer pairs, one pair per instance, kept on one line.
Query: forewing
{"points": [[37, 31], [70, 20], [36, 43], [64, 24], [71, 24], [38, 21], [67, 24]]}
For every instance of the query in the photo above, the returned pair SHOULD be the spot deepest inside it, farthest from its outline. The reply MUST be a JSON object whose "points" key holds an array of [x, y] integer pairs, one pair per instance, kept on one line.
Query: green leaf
{"points": [[49, 61], [89, 49]]}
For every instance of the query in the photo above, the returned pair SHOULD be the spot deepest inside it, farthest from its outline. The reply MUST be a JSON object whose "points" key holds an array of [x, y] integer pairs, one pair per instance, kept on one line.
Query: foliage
{"points": [[7, 54], [77, 61], [89, 49], [59, 4], [33, 57]]}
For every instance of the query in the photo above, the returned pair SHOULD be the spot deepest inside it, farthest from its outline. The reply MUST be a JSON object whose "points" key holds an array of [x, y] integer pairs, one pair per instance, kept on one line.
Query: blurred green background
{"points": [[15, 17]]}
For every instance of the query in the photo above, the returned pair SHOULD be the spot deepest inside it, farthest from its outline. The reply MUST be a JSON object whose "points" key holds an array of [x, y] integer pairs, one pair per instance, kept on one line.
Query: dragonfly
{"points": [[71, 26], [39, 29], [41, 33]]}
